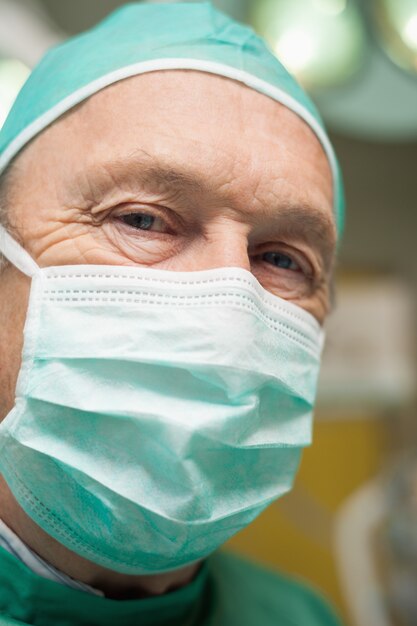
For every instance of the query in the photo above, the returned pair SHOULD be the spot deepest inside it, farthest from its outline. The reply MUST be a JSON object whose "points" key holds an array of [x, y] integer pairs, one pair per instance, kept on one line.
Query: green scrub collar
{"points": [[31, 599]]}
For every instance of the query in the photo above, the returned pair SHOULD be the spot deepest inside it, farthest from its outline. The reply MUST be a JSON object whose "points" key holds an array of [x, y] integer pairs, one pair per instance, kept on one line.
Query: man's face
{"points": [[175, 170]]}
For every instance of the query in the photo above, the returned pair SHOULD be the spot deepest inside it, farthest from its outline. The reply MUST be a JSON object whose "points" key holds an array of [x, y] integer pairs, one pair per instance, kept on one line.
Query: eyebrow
{"points": [[298, 220], [302, 221], [146, 170]]}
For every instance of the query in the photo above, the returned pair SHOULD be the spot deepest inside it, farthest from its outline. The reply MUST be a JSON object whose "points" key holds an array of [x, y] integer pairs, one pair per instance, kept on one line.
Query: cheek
{"points": [[139, 247], [318, 304], [14, 295]]}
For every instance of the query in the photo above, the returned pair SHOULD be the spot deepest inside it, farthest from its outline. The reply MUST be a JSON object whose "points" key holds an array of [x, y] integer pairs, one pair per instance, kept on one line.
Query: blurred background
{"points": [[350, 525]]}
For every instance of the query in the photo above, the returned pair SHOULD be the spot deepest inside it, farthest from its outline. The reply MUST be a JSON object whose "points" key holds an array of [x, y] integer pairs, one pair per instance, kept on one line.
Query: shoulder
{"points": [[264, 597]]}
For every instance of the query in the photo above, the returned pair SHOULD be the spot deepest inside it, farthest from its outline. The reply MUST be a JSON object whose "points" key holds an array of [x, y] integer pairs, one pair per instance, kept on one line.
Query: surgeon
{"points": [[170, 209]]}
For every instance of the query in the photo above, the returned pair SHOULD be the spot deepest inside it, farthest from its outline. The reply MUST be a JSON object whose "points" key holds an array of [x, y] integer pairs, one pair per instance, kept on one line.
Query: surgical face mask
{"points": [[157, 413]]}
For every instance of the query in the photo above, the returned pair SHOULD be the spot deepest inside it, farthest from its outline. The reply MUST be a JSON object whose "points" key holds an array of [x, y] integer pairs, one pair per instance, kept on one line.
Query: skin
{"points": [[176, 170]]}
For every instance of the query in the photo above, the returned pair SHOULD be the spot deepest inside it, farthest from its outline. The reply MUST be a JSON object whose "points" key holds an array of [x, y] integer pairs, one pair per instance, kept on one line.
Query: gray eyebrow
{"points": [[150, 170]]}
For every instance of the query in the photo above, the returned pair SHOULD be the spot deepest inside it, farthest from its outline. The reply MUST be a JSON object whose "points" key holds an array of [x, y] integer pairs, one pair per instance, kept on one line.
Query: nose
{"points": [[224, 243]]}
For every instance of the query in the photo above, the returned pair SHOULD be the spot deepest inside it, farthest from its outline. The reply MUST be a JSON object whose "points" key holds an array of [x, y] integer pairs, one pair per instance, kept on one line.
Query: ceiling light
{"points": [[321, 42], [13, 74], [397, 27]]}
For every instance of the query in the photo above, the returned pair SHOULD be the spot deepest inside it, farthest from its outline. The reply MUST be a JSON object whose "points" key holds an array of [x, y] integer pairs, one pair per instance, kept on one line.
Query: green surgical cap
{"points": [[139, 38]]}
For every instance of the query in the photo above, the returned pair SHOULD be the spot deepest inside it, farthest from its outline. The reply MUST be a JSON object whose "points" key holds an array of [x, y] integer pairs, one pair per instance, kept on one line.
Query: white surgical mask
{"points": [[157, 413]]}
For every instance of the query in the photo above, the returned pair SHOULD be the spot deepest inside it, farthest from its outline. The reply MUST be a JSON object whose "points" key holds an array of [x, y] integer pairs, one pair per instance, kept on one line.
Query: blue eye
{"points": [[141, 221], [280, 260]]}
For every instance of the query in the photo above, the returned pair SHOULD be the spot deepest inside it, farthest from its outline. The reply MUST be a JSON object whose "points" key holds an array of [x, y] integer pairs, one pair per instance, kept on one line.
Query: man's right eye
{"points": [[144, 221]]}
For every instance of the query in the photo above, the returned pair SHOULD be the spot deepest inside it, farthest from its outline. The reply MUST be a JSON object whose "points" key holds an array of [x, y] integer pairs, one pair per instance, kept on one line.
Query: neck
{"points": [[112, 584]]}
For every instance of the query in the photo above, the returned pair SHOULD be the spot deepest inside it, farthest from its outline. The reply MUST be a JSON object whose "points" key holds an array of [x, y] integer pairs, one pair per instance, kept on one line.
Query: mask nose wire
{"points": [[17, 255]]}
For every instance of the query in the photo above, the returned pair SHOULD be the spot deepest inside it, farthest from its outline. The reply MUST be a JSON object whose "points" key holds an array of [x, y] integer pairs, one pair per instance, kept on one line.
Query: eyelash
{"points": [[130, 217], [171, 225]]}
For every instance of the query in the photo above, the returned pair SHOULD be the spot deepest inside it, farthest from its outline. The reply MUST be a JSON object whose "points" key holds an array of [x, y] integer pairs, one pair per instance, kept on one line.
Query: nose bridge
{"points": [[226, 244], [223, 243]]}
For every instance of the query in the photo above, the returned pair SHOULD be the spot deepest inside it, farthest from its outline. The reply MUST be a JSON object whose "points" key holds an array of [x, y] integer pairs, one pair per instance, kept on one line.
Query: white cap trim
{"points": [[143, 67]]}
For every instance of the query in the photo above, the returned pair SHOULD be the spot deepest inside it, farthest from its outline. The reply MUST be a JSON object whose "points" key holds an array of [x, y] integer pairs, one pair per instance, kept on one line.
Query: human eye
{"points": [[284, 270], [281, 260], [144, 221]]}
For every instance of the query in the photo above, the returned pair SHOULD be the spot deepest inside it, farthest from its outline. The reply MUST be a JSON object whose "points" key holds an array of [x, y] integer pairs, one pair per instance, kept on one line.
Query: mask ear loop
{"points": [[17, 255]]}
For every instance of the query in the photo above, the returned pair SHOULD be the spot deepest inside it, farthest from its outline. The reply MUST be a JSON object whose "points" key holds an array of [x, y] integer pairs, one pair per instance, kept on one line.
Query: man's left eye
{"points": [[144, 221], [280, 260]]}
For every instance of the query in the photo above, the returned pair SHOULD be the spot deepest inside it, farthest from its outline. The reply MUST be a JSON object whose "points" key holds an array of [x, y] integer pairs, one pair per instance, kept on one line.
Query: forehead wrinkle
{"points": [[136, 170]]}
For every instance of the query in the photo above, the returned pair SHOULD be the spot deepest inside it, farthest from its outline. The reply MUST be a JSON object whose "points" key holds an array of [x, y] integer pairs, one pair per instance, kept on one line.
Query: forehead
{"points": [[225, 131]]}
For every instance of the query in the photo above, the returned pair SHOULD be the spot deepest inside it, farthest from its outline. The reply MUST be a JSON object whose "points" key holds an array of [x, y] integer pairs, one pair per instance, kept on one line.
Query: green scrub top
{"points": [[228, 591]]}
